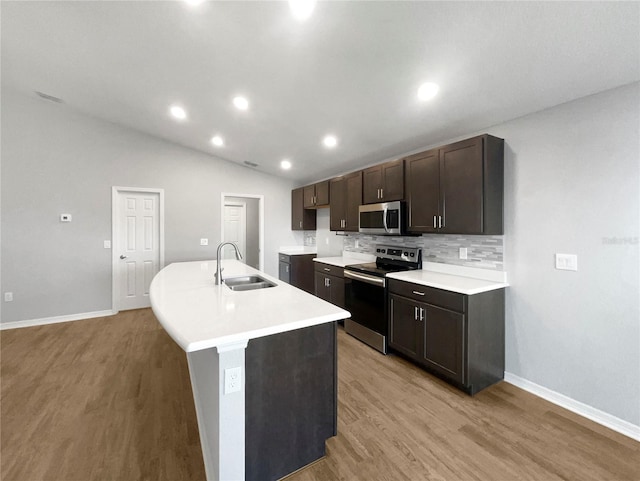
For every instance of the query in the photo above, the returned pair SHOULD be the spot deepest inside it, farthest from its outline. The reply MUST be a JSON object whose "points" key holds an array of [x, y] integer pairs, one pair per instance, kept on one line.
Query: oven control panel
{"points": [[399, 253]]}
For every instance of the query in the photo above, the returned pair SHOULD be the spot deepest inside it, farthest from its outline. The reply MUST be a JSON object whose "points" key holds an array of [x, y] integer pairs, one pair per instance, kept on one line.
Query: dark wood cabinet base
{"points": [[291, 400]]}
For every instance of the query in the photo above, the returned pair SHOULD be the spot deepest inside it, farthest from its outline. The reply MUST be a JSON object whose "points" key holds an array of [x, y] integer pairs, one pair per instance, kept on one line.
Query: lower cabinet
{"points": [[329, 283], [297, 270], [458, 337]]}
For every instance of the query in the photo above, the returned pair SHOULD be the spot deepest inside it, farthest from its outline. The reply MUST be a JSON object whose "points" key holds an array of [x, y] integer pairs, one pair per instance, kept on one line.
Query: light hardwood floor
{"points": [[109, 399]]}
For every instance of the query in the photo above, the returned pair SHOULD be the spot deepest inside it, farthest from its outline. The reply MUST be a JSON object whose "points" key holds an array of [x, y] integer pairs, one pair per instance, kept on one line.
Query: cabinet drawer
{"points": [[284, 258], [438, 297], [329, 269]]}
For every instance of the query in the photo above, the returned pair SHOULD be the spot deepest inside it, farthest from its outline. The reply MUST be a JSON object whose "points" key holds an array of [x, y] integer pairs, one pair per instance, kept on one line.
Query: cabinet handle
{"points": [[418, 293], [327, 269], [439, 222], [415, 313], [328, 282], [287, 268], [421, 314], [301, 224], [434, 221], [382, 193]]}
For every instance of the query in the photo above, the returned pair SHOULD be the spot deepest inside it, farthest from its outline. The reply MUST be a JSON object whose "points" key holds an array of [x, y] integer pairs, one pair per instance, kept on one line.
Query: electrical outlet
{"points": [[204, 242], [567, 262], [232, 380], [8, 296], [463, 252], [107, 244]]}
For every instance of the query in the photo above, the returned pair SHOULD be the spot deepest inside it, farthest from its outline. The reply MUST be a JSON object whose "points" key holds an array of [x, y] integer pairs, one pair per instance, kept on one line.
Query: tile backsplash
{"points": [[483, 252]]}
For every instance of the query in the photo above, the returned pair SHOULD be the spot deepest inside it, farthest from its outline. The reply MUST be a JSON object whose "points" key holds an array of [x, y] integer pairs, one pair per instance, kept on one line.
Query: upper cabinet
{"points": [[316, 195], [458, 188], [301, 218], [346, 197], [383, 183]]}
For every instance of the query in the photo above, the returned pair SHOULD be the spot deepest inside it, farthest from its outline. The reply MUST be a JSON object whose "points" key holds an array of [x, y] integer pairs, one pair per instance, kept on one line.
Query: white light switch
{"points": [[65, 217], [107, 244], [567, 262], [204, 242], [232, 380], [463, 252], [8, 296]]}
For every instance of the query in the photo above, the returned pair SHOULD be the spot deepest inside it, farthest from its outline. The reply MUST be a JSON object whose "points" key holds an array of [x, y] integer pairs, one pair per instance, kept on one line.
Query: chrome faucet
{"points": [[219, 260]]}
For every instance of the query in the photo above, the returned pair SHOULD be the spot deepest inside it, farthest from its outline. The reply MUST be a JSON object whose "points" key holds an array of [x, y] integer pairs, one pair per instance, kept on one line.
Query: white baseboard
{"points": [[619, 425], [56, 319]]}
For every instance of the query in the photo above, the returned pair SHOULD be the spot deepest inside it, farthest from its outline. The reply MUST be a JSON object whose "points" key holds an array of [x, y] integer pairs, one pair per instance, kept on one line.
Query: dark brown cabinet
{"points": [[301, 218], [456, 336], [346, 197], [457, 188], [316, 195], [383, 183], [329, 283], [297, 270]]}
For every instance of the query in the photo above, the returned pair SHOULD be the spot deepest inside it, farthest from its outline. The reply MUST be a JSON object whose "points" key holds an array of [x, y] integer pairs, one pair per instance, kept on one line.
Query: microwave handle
{"points": [[384, 218]]}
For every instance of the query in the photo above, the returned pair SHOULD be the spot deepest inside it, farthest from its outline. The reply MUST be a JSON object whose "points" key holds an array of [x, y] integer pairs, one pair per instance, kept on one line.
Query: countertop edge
{"points": [[489, 286]]}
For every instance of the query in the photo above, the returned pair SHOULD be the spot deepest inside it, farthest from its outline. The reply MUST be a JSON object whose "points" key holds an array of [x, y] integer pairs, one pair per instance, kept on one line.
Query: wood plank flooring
{"points": [[110, 399]]}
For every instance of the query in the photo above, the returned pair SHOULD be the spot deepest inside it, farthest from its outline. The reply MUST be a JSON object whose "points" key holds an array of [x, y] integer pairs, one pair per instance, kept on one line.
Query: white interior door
{"points": [[235, 229], [137, 247]]}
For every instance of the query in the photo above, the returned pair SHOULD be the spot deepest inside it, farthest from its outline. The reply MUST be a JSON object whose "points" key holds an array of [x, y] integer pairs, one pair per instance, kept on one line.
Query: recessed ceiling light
{"points": [[241, 103], [428, 90], [285, 164], [194, 3], [302, 9], [217, 141], [178, 112], [330, 141]]}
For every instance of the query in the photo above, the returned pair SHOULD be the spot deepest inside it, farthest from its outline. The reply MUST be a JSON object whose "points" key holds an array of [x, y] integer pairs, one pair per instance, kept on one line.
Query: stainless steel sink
{"points": [[248, 283]]}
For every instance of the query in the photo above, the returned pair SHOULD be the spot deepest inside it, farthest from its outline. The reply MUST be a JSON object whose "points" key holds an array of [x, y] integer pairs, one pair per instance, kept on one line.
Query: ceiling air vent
{"points": [[50, 98], [250, 164]]}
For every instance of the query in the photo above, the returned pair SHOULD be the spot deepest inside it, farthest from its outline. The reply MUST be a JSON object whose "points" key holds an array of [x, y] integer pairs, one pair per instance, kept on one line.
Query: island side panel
{"points": [[291, 400]]}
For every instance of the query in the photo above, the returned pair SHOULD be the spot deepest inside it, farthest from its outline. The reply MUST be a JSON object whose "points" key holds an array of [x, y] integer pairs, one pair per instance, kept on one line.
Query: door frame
{"points": [[115, 230], [260, 221]]}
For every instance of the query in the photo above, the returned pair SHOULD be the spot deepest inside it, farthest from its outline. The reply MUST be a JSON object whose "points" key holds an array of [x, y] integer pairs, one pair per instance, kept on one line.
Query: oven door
{"points": [[365, 299]]}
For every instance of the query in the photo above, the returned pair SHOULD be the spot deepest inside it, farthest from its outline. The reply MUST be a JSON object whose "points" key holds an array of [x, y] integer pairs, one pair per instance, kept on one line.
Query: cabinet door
{"points": [[302, 275], [322, 193], [372, 185], [461, 187], [284, 272], [337, 204], [336, 288], [405, 331], [444, 341], [423, 191], [301, 218], [309, 196], [392, 181], [322, 287], [353, 201]]}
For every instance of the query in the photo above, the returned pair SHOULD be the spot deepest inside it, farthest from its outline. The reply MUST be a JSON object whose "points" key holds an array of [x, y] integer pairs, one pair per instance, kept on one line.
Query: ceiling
{"points": [[352, 69]]}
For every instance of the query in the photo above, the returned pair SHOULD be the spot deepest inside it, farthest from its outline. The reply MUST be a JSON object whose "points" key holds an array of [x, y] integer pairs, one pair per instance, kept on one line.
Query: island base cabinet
{"points": [[458, 337], [291, 400]]}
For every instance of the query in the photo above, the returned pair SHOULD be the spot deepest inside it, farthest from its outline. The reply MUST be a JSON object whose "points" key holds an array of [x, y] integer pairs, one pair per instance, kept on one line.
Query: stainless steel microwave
{"points": [[386, 218]]}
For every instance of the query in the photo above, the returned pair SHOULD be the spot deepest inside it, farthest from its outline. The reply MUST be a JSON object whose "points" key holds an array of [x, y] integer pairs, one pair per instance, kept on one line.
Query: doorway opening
{"points": [[242, 222]]}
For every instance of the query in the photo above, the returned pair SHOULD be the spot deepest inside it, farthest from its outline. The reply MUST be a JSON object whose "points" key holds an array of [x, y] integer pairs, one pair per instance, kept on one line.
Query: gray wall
{"points": [[55, 161], [253, 231]]}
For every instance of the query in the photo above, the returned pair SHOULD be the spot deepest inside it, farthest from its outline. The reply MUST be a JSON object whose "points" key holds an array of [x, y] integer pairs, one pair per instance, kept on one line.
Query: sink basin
{"points": [[248, 283]]}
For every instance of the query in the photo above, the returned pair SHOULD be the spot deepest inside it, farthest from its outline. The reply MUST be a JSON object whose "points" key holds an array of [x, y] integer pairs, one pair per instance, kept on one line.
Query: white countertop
{"points": [[449, 282], [199, 315], [298, 250], [339, 261]]}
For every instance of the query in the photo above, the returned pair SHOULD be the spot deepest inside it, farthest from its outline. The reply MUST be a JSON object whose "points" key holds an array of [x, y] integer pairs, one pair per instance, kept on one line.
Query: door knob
{"points": [[122, 256]]}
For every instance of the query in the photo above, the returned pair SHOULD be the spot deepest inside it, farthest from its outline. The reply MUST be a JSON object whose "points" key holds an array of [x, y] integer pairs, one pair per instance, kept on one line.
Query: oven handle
{"points": [[384, 218], [376, 281]]}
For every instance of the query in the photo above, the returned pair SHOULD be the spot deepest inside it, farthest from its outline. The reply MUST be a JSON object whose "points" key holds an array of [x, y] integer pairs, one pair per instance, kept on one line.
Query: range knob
{"points": [[383, 251], [406, 253], [377, 250]]}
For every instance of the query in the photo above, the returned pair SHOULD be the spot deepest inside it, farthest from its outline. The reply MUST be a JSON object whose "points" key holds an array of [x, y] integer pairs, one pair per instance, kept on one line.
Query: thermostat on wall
{"points": [[65, 217]]}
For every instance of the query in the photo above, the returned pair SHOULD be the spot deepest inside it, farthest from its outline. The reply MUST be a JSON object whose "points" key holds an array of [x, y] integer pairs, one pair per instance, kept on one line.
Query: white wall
{"points": [[572, 183], [55, 160]]}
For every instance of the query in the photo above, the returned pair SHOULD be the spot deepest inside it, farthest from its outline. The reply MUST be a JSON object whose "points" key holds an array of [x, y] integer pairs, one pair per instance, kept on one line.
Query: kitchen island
{"points": [[262, 365]]}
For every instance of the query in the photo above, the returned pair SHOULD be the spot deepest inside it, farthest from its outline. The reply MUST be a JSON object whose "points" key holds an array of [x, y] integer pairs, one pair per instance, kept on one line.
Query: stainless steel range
{"points": [[366, 292]]}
